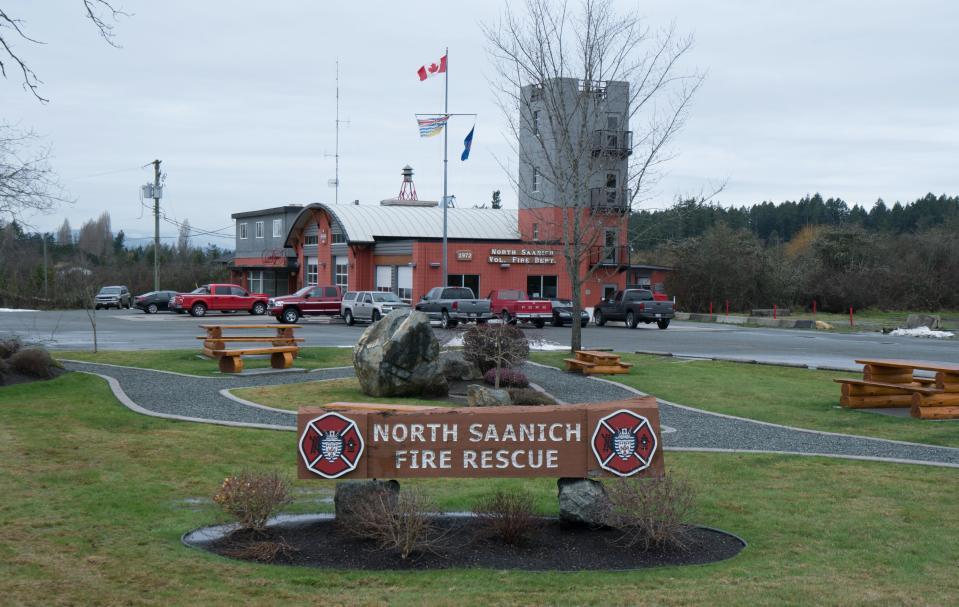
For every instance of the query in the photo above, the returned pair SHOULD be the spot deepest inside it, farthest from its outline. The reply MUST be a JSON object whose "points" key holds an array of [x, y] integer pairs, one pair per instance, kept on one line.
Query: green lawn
{"points": [[190, 361], [311, 394], [782, 395], [96, 498]]}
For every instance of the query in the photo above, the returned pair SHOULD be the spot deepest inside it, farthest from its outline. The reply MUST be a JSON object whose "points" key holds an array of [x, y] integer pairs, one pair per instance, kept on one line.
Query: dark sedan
{"points": [[154, 301], [563, 313]]}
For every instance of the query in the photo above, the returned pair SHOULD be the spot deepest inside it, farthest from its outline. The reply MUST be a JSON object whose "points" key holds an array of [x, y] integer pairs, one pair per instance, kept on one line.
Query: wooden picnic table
{"points": [[592, 362], [890, 382], [283, 346]]}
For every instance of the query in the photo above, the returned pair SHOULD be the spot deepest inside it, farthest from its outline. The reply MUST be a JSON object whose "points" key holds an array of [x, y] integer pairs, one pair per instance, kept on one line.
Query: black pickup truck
{"points": [[633, 306]]}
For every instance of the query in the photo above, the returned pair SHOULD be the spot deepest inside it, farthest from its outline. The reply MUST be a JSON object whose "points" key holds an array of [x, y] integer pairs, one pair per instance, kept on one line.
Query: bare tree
{"points": [[557, 65], [100, 12], [65, 234], [27, 182]]}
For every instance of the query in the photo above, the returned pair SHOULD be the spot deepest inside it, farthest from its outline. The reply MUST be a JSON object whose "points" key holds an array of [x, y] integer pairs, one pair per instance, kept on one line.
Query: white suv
{"points": [[369, 305]]}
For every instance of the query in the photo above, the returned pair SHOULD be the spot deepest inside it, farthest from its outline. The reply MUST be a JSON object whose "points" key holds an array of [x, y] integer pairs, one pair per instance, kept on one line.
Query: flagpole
{"points": [[446, 108]]}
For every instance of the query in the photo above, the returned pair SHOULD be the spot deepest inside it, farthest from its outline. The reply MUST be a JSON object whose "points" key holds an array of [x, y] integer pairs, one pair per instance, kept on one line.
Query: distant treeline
{"points": [[791, 254], [78, 265], [783, 221]]}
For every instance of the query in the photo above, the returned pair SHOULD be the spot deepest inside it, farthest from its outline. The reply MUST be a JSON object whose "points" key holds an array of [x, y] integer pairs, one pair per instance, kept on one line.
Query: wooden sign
{"points": [[354, 441]]}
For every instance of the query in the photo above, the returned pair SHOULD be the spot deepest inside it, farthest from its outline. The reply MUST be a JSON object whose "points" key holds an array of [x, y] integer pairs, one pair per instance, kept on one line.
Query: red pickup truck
{"points": [[226, 298], [308, 301], [512, 305]]}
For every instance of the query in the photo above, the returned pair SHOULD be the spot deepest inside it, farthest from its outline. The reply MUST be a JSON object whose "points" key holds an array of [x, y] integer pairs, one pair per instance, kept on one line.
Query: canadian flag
{"points": [[432, 69]]}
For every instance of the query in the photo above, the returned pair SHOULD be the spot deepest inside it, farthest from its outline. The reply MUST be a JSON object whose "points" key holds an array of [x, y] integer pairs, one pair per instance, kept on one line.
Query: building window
{"points": [[312, 271], [341, 271], [404, 283], [541, 287], [258, 230], [612, 238], [536, 122], [384, 279], [535, 231], [612, 122], [535, 179], [310, 240], [338, 238], [465, 280], [277, 228], [254, 280], [242, 228]]}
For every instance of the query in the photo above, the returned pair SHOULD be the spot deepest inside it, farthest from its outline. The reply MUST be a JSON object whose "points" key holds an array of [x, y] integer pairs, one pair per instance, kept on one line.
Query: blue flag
{"points": [[468, 143]]}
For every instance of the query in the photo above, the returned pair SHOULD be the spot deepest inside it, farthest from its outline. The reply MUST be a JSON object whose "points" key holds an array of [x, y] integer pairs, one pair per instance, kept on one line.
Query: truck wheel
{"points": [[198, 309], [539, 323], [376, 315], [631, 320], [662, 324], [507, 318], [584, 322], [151, 309], [556, 321], [598, 318], [445, 320], [259, 309], [348, 317], [290, 316]]}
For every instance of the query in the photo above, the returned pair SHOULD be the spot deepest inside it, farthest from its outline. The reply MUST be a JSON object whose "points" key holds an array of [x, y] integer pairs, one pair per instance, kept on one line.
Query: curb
{"points": [[749, 361]]}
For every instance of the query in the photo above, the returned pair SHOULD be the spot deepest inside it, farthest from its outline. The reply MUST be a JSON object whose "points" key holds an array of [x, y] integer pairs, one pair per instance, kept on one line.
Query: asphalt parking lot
{"points": [[134, 330]]}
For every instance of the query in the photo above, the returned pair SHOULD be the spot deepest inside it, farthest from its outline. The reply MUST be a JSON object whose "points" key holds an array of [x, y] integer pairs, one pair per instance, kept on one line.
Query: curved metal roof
{"points": [[366, 223]]}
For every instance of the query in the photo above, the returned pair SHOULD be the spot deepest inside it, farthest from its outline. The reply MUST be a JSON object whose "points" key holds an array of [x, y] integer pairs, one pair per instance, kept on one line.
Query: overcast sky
{"points": [[850, 99]]}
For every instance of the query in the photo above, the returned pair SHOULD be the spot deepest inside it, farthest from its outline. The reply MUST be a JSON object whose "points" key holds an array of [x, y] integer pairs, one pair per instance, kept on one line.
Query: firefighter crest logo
{"points": [[331, 445], [624, 443]]}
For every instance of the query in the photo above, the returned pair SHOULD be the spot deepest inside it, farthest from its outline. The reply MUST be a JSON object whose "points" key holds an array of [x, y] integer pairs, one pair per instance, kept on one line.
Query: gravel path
{"points": [[700, 430], [199, 399]]}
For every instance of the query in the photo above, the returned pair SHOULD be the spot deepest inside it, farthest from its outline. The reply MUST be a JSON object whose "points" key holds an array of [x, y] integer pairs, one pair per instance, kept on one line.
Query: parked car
{"points": [[563, 313], [453, 305], [369, 305], [512, 305], [222, 297], [113, 297], [633, 306], [154, 301], [308, 301]]}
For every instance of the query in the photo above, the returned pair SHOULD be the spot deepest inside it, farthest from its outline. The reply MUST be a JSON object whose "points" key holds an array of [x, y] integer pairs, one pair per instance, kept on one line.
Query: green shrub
{"points": [[35, 362], [252, 497]]}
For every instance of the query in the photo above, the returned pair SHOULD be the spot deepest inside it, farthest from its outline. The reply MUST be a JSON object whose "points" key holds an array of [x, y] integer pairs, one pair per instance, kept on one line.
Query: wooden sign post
{"points": [[619, 438]]}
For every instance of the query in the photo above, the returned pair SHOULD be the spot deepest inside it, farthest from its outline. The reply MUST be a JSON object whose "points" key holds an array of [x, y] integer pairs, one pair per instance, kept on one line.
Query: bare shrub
{"points": [[266, 551], [9, 346], [510, 378], [649, 512], [35, 362], [495, 346], [399, 523], [529, 397], [252, 497], [507, 515]]}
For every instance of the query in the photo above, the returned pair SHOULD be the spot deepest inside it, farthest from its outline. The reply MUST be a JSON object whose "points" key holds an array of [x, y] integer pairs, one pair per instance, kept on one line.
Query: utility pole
{"points": [[156, 225], [45, 272]]}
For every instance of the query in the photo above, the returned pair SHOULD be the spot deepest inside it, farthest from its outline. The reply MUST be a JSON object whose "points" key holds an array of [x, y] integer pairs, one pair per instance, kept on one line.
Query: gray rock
{"points": [[350, 493], [457, 368], [582, 501], [914, 321], [399, 356], [481, 396]]}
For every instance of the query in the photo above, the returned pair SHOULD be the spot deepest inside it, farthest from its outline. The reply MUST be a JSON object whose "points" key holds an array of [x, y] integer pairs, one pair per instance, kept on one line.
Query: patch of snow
{"points": [[16, 310], [455, 342], [540, 345], [923, 332]]}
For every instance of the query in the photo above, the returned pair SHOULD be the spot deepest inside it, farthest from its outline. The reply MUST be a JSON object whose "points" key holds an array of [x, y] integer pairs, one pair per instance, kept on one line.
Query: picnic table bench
{"points": [[591, 362], [282, 349], [893, 383]]}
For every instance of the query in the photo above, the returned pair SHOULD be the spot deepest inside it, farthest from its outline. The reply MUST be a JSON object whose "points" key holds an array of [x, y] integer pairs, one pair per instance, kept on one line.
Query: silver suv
{"points": [[369, 305], [113, 297]]}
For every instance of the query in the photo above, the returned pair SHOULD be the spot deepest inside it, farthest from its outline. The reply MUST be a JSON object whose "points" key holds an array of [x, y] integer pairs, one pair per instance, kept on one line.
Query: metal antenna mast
{"points": [[335, 182]]}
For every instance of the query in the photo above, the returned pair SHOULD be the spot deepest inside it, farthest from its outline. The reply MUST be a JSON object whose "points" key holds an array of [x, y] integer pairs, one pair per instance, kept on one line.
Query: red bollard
{"points": [[852, 323], [710, 309], [775, 310], [727, 308], [814, 307]]}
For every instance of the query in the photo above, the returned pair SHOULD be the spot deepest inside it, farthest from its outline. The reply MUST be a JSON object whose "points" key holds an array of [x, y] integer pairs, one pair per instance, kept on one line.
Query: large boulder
{"points": [[914, 321], [582, 501], [481, 396], [350, 493], [456, 368], [399, 356]]}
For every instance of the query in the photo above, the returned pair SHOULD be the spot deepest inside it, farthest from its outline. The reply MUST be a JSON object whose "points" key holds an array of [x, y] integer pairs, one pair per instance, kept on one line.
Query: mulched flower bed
{"points": [[551, 547]]}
